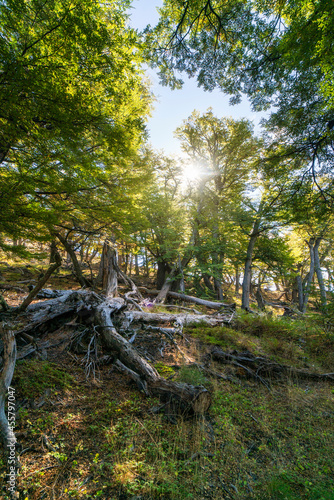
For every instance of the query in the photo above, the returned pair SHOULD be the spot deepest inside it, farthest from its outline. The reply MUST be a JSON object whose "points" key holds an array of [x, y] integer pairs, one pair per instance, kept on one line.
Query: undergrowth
{"points": [[108, 442]]}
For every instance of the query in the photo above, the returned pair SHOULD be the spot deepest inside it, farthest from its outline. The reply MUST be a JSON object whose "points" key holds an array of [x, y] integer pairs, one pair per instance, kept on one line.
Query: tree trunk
{"points": [[300, 292], [109, 269], [77, 268], [178, 283], [237, 281], [9, 359], [246, 284], [310, 274], [53, 251], [147, 271], [259, 299], [318, 271], [179, 319], [163, 269], [136, 265]]}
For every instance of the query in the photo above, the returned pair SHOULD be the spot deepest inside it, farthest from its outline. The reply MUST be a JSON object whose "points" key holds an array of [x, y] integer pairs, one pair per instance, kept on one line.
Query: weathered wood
{"points": [[9, 360], [180, 319], [189, 298], [109, 269], [174, 306], [185, 397]]}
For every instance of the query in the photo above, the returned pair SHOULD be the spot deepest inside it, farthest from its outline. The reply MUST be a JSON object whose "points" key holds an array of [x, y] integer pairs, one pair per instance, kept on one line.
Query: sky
{"points": [[174, 106]]}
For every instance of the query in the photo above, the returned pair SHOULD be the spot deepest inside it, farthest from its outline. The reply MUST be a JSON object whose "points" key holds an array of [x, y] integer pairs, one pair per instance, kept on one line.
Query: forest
{"points": [[166, 323]]}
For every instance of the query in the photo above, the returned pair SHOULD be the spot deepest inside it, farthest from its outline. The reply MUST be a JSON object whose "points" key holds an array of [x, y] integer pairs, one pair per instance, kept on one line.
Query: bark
{"points": [[300, 292], [179, 319], [188, 298], [147, 271], [136, 265], [9, 359], [237, 281], [317, 268], [109, 269], [166, 287], [163, 269], [53, 251], [259, 298], [308, 284], [77, 268], [246, 284], [178, 283]]}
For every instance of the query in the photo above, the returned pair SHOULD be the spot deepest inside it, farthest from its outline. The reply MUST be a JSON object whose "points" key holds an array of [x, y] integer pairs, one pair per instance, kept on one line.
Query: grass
{"points": [[253, 445], [301, 343]]}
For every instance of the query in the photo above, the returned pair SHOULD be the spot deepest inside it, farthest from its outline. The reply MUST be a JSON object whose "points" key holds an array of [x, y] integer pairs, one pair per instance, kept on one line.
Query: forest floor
{"points": [[84, 436]]}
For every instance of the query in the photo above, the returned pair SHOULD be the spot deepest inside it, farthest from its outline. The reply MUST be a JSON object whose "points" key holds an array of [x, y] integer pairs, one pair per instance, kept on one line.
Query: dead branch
{"points": [[40, 284]]}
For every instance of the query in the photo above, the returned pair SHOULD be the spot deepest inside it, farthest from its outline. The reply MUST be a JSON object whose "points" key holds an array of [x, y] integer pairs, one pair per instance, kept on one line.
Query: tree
{"points": [[225, 149], [312, 219], [73, 105], [165, 212], [277, 53]]}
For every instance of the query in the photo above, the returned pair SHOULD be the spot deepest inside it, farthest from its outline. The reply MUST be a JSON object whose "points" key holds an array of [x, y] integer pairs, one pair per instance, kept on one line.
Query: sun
{"points": [[191, 172]]}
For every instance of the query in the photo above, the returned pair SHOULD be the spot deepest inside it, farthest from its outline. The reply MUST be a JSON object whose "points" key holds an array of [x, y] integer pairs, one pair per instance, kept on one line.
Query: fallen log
{"points": [[189, 298], [183, 397], [179, 319], [260, 366]]}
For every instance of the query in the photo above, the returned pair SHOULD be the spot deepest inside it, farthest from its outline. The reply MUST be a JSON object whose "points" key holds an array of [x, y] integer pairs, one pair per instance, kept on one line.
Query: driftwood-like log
{"points": [[180, 319], [189, 298], [185, 397], [9, 360]]}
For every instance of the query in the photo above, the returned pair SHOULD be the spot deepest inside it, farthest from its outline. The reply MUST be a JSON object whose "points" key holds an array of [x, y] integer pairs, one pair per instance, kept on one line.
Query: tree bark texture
{"points": [[77, 268], [320, 278], [109, 269], [246, 284], [308, 283], [9, 360]]}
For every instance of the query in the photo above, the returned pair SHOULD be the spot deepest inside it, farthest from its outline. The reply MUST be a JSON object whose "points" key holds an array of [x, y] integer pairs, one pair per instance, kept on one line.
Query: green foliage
{"points": [[73, 109], [278, 54]]}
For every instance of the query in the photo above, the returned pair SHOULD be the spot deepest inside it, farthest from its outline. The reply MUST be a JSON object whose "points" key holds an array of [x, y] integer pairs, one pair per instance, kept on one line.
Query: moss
{"points": [[33, 377], [164, 370]]}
